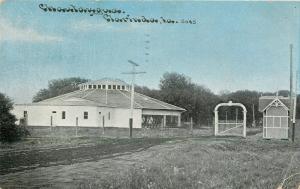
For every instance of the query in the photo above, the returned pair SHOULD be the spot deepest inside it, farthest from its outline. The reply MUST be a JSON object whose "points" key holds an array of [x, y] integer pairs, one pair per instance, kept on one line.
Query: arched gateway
{"points": [[229, 126]]}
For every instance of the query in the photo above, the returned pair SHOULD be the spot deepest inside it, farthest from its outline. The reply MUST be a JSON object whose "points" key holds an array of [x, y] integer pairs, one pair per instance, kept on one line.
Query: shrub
{"points": [[9, 131]]}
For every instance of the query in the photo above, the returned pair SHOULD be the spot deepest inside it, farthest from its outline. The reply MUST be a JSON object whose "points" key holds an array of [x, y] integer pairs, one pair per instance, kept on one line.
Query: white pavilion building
{"points": [[101, 103]]}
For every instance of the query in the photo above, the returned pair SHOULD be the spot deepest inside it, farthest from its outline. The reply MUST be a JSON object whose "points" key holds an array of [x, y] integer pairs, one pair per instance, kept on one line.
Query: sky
{"points": [[233, 45]]}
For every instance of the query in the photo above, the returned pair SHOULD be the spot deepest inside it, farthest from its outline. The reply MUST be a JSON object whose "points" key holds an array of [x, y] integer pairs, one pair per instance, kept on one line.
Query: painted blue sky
{"points": [[234, 45]]}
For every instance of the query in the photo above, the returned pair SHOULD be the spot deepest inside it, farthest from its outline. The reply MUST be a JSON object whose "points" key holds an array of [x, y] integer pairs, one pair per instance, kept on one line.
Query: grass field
{"points": [[209, 163], [185, 162]]}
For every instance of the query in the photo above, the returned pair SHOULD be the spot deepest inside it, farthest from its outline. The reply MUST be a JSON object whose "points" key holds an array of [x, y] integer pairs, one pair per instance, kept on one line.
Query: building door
{"points": [[54, 118]]}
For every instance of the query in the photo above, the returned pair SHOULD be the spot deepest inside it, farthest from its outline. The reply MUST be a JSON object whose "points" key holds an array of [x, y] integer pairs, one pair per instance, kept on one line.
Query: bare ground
{"points": [[21, 160]]}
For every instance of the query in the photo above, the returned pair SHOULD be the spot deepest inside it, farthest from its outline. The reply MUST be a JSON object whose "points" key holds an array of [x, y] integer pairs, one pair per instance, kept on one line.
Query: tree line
{"points": [[59, 86], [199, 101]]}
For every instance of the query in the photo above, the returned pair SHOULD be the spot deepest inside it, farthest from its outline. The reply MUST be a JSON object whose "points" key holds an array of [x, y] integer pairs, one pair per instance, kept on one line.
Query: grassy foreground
{"points": [[212, 163], [199, 162]]}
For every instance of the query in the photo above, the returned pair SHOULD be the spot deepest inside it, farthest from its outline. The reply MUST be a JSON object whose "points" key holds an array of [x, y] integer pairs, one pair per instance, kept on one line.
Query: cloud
{"points": [[9, 32]]}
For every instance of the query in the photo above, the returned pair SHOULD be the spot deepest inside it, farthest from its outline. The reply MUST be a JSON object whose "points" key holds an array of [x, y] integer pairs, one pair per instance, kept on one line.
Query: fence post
{"points": [[51, 122], [76, 127], [103, 124], [130, 127]]}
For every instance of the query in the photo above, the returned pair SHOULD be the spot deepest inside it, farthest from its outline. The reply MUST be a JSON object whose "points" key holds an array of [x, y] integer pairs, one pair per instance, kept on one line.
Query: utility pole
{"points": [[292, 125], [133, 73], [295, 106], [297, 76]]}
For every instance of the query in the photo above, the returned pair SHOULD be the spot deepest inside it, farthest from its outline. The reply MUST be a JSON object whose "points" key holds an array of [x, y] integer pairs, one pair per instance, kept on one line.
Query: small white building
{"points": [[101, 103], [275, 111]]}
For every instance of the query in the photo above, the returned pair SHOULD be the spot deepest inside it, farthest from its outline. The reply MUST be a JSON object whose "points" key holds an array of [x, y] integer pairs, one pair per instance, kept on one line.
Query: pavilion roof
{"points": [[107, 98]]}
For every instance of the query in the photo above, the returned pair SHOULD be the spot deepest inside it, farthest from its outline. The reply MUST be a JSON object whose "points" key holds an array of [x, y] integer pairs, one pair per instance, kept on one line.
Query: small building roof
{"points": [[265, 101], [107, 98]]}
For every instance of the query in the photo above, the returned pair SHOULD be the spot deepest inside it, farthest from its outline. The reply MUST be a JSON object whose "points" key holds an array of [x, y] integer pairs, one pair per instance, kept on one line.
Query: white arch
{"points": [[230, 103]]}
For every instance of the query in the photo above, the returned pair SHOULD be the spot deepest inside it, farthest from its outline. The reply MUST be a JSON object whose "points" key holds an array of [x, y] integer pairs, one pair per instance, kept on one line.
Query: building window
{"points": [[54, 112], [103, 86], [94, 86], [109, 86], [119, 87], [108, 115], [123, 87], [99, 86], [85, 115], [90, 86], [114, 86], [25, 114], [63, 115]]}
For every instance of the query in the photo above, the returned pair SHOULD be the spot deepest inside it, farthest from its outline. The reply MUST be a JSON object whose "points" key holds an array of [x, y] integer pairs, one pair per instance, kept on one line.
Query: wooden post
{"points": [[164, 121], [51, 122], [253, 114], [191, 126], [76, 132], [103, 124], [130, 127], [236, 116]]}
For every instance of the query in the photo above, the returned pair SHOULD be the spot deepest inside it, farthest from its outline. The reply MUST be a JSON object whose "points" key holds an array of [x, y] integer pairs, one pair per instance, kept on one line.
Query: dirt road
{"points": [[15, 161]]}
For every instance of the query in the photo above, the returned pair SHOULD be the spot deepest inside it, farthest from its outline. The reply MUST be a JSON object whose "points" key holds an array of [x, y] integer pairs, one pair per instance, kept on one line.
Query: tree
{"points": [[177, 89], [9, 131], [59, 86], [284, 93], [199, 101]]}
